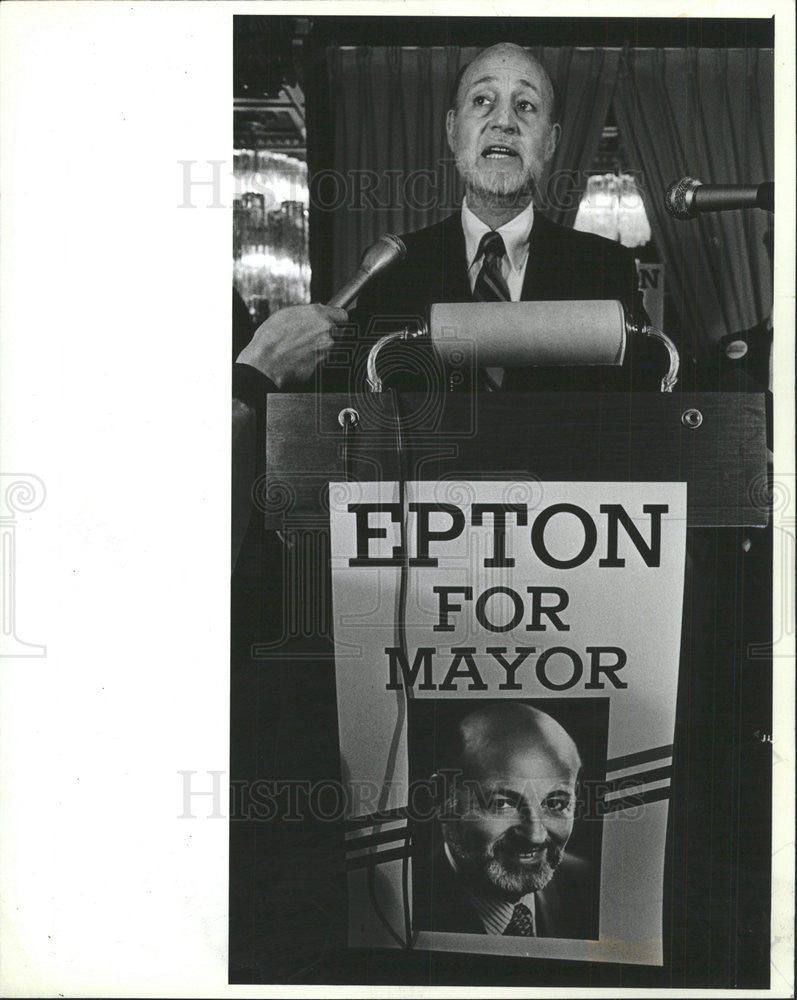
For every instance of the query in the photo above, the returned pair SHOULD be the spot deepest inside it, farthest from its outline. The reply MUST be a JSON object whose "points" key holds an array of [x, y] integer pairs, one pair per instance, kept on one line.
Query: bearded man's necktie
{"points": [[490, 286], [522, 922]]}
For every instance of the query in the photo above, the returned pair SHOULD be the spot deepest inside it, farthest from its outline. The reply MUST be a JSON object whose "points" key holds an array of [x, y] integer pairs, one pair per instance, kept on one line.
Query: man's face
{"points": [[515, 809], [501, 132]]}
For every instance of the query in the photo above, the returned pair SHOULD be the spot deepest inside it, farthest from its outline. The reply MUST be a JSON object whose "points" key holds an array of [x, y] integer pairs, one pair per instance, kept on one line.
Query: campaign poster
{"points": [[507, 665]]}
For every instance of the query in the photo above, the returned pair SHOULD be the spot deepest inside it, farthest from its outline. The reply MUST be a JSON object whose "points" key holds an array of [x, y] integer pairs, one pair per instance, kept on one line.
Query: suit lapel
{"points": [[451, 908], [539, 265], [453, 265], [547, 906], [543, 268], [456, 287]]}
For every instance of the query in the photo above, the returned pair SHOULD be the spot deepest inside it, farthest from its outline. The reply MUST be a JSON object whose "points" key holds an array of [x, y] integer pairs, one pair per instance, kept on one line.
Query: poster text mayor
{"points": [[499, 609]]}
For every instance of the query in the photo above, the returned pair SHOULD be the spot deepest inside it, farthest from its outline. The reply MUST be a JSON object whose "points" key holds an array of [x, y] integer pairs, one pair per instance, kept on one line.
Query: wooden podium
{"points": [[714, 442], [716, 890]]}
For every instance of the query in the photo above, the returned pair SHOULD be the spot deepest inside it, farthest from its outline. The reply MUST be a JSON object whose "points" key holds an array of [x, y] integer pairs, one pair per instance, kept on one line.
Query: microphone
{"points": [[387, 251], [688, 198]]}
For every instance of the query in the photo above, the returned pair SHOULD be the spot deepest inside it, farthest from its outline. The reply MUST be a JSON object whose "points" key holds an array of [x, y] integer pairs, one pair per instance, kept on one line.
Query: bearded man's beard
{"points": [[504, 189], [494, 871]]}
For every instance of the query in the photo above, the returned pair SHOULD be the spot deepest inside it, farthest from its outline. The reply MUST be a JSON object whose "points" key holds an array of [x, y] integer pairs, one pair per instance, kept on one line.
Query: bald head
{"points": [[503, 53], [492, 736]]}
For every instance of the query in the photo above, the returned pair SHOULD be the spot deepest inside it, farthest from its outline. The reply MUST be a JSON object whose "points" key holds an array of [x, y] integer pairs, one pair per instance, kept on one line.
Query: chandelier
{"points": [[612, 206]]}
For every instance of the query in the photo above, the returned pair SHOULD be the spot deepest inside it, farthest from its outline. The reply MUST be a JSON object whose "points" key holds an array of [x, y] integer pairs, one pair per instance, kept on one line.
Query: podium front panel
{"points": [[716, 443]]}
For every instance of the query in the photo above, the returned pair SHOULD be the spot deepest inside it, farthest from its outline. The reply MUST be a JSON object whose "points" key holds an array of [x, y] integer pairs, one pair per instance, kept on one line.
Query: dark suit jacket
{"points": [[565, 908], [563, 264]]}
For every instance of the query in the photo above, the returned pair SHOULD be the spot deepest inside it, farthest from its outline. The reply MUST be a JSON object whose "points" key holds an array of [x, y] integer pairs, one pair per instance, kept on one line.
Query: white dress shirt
{"points": [[515, 234]]}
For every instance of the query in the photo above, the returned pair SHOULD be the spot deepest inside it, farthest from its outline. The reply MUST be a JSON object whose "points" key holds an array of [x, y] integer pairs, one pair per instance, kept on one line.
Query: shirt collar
{"points": [[495, 914], [515, 234]]}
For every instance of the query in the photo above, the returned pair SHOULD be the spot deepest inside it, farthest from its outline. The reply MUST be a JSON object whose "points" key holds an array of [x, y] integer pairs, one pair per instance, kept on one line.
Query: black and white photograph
{"points": [[403, 602], [516, 284], [527, 863]]}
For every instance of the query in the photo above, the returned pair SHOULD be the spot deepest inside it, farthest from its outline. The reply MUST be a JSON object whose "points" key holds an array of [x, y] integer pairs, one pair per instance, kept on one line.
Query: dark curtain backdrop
{"points": [[584, 81], [391, 155], [705, 112]]}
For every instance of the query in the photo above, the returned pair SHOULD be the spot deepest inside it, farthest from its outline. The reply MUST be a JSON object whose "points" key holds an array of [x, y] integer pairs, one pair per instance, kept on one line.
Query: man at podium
{"points": [[498, 247]]}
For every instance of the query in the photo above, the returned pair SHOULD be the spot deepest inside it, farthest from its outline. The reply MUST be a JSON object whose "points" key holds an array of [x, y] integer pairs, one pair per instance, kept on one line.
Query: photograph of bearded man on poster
{"points": [[500, 864]]}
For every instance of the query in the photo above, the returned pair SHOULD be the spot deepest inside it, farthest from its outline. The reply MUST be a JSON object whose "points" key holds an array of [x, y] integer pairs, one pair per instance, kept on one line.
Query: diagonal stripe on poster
{"points": [[507, 666]]}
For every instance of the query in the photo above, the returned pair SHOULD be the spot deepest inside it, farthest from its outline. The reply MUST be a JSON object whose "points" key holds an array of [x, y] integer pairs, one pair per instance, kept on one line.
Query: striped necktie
{"points": [[522, 922], [490, 284]]}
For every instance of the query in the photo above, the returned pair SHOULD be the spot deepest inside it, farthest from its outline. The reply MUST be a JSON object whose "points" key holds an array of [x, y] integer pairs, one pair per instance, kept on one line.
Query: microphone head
{"points": [[386, 251], [680, 198]]}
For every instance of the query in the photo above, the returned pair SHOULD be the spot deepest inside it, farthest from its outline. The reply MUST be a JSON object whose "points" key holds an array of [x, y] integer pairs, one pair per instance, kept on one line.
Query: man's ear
{"points": [[443, 796], [451, 124], [579, 792], [439, 784], [552, 142]]}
